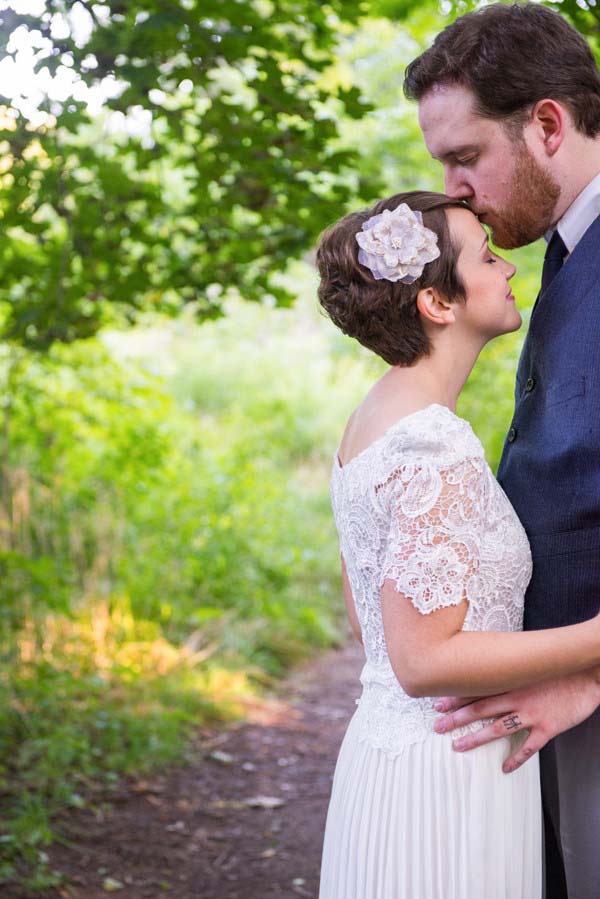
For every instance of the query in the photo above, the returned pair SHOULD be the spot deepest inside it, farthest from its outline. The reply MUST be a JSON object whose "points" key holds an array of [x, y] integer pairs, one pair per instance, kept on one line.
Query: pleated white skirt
{"points": [[432, 823]]}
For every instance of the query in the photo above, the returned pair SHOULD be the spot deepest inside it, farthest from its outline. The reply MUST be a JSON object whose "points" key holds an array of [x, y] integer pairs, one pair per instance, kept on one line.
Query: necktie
{"points": [[553, 260]]}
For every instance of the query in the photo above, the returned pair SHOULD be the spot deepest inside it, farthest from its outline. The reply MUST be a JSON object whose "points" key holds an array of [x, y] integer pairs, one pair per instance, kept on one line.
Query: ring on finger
{"points": [[512, 722]]}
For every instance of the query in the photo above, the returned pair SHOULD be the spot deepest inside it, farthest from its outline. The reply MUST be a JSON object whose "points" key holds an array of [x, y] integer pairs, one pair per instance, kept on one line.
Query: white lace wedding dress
{"points": [[409, 817]]}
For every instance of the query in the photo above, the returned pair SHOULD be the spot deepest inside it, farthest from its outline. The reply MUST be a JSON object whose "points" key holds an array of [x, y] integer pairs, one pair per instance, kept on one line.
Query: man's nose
{"points": [[457, 186]]}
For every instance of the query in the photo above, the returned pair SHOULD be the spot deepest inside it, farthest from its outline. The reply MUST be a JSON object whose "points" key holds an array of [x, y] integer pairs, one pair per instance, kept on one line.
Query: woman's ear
{"points": [[434, 307]]}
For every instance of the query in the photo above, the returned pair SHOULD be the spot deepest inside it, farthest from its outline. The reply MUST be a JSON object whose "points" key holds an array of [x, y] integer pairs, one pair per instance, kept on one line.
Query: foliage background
{"points": [[166, 542]]}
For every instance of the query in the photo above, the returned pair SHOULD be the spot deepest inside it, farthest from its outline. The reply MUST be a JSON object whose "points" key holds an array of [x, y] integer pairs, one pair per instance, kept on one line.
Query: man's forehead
{"points": [[448, 120]]}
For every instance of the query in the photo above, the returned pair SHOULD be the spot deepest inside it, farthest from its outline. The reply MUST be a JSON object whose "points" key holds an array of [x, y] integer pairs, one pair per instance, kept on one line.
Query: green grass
{"points": [[174, 549]]}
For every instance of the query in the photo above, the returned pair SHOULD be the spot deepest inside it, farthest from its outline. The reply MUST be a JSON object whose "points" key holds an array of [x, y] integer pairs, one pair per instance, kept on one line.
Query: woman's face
{"points": [[490, 308]]}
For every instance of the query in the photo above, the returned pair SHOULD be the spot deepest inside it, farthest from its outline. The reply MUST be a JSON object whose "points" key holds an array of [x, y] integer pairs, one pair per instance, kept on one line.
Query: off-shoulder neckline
{"points": [[387, 432]]}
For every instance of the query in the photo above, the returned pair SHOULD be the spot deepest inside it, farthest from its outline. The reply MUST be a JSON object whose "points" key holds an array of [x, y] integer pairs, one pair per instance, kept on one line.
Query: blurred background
{"points": [[170, 396]]}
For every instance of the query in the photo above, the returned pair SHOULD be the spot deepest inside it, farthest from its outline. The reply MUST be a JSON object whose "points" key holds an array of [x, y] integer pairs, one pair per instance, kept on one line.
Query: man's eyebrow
{"points": [[454, 152]]}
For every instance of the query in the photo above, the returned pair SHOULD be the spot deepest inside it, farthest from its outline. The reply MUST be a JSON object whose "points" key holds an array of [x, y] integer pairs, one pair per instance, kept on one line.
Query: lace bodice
{"points": [[421, 507]]}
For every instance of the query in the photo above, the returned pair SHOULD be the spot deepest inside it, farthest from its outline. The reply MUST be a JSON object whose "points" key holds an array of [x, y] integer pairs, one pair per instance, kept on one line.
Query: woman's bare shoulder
{"points": [[377, 413]]}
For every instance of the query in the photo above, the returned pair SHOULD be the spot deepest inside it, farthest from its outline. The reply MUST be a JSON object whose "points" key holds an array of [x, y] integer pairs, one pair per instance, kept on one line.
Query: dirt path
{"points": [[193, 833]]}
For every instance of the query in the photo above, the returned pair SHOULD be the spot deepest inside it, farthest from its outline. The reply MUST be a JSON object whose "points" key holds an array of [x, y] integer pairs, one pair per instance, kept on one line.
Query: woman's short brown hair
{"points": [[383, 315]]}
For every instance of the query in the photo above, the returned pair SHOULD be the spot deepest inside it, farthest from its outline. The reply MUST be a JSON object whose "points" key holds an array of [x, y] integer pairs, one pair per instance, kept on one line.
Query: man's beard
{"points": [[529, 211]]}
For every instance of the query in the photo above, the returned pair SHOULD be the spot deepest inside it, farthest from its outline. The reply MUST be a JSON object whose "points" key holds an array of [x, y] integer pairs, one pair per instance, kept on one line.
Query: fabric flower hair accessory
{"points": [[396, 245]]}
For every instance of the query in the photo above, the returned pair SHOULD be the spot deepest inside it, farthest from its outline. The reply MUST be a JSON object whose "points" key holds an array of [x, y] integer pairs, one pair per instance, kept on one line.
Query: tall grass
{"points": [[166, 545]]}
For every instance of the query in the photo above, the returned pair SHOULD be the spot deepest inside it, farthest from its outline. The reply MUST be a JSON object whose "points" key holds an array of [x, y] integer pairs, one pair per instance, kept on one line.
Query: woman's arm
{"points": [[431, 656], [349, 602]]}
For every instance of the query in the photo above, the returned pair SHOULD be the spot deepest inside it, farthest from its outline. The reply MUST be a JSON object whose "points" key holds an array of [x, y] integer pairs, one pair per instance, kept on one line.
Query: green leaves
{"points": [[226, 176]]}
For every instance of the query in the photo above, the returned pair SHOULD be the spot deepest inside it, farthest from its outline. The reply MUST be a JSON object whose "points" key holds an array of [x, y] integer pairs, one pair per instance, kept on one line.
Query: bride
{"points": [[435, 565]]}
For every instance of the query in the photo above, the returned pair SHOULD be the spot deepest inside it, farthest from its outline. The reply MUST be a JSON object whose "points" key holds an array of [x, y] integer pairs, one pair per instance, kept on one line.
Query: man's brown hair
{"points": [[510, 56], [381, 314]]}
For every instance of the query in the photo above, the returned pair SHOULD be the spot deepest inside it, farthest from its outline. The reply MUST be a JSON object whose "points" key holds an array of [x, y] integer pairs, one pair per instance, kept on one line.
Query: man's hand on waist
{"points": [[545, 710]]}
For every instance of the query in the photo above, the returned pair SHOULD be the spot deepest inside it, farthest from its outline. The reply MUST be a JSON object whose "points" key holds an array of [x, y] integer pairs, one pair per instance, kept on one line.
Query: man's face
{"points": [[495, 173]]}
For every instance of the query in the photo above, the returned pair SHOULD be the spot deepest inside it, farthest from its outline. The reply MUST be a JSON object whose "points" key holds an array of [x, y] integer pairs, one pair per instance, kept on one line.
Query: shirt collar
{"points": [[584, 209]]}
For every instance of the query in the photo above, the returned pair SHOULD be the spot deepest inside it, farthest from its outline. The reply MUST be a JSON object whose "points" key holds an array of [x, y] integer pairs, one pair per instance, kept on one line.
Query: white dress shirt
{"points": [[584, 209]]}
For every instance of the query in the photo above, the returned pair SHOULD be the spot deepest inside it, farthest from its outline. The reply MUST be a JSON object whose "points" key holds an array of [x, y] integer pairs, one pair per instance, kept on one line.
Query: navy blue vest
{"points": [[550, 466]]}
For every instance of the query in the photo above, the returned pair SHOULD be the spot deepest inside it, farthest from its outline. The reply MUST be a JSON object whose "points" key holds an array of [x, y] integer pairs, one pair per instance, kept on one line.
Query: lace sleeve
{"points": [[433, 552]]}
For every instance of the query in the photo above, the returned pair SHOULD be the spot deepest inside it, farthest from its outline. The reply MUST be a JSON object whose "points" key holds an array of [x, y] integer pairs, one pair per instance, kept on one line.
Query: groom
{"points": [[509, 103]]}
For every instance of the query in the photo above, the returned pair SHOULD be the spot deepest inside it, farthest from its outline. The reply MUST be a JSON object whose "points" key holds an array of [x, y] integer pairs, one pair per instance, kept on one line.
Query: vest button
{"points": [[512, 435], [530, 384]]}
